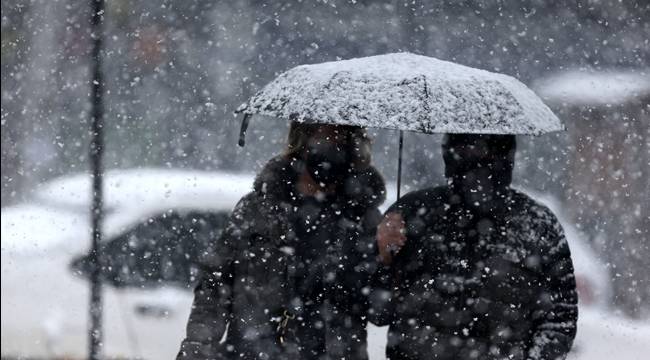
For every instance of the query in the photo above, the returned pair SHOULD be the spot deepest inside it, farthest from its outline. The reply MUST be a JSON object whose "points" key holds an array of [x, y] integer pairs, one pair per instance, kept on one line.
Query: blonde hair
{"points": [[357, 140]]}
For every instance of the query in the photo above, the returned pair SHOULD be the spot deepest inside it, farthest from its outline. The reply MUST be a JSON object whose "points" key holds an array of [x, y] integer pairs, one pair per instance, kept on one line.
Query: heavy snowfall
{"points": [[327, 179]]}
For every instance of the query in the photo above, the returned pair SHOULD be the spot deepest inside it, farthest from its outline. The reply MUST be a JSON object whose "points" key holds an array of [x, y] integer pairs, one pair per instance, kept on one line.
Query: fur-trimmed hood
{"points": [[277, 182]]}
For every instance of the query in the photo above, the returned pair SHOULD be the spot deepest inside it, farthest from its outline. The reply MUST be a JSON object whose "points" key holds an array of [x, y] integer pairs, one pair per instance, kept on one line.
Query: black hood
{"points": [[479, 169], [490, 156]]}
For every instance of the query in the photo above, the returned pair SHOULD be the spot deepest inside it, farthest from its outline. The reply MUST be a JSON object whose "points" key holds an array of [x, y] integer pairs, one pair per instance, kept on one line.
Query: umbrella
{"points": [[162, 250], [404, 92]]}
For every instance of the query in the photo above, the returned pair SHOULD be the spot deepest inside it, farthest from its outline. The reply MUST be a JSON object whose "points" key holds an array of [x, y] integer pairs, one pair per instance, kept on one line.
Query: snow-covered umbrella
{"points": [[404, 92]]}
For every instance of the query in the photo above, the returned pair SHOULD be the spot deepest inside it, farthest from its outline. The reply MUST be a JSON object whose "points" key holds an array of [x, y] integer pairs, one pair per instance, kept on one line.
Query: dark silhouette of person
{"points": [[474, 269]]}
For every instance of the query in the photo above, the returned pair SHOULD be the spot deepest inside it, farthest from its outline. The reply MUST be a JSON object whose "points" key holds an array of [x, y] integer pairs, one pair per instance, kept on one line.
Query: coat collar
{"points": [[276, 183]]}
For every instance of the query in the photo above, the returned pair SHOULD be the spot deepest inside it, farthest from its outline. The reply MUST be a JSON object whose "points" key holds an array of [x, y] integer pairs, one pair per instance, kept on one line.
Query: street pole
{"points": [[96, 150]]}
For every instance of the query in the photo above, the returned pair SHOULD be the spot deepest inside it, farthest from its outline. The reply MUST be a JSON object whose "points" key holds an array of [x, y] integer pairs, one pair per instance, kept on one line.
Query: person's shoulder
{"points": [[249, 206], [427, 197], [430, 193], [525, 204], [540, 219], [253, 215]]}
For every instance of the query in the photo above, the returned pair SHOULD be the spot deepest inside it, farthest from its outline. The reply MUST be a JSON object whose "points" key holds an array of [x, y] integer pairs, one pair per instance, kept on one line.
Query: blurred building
{"points": [[607, 114]]}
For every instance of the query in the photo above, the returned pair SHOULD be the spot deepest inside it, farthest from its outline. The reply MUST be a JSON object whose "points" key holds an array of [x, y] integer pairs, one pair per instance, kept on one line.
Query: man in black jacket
{"points": [[482, 271]]}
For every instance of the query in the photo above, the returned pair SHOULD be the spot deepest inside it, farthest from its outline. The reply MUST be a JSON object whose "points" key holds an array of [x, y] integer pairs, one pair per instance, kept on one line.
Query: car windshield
{"points": [[162, 250]]}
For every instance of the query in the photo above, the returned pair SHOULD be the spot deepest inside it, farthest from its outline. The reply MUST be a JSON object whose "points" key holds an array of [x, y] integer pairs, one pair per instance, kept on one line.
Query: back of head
{"points": [[479, 166], [351, 139]]}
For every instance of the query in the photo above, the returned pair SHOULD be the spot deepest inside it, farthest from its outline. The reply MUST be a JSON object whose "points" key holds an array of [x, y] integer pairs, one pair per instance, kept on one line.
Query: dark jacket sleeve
{"points": [[381, 304], [556, 323], [383, 288], [211, 309], [383, 285], [358, 265]]}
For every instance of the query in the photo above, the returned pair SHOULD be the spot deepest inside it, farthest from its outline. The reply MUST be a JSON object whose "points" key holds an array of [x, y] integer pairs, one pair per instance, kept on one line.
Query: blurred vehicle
{"points": [[162, 250], [153, 219], [158, 224]]}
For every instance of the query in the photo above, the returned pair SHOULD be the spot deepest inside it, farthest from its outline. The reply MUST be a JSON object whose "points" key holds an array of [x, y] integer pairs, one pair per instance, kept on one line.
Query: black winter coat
{"points": [[282, 252], [470, 286]]}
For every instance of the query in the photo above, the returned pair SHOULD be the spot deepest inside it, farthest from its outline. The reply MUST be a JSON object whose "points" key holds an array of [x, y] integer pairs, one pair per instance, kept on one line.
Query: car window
{"points": [[162, 250]]}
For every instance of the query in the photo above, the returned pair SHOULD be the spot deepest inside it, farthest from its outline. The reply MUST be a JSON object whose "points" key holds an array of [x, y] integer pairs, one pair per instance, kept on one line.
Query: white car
{"points": [[44, 303]]}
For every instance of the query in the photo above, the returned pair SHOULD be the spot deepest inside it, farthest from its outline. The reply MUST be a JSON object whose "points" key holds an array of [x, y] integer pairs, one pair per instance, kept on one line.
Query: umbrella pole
{"points": [[95, 332], [399, 163]]}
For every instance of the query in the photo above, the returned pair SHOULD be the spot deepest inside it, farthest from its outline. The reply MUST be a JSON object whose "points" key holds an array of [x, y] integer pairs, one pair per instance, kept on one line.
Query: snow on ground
{"points": [[408, 92], [602, 336], [582, 88]]}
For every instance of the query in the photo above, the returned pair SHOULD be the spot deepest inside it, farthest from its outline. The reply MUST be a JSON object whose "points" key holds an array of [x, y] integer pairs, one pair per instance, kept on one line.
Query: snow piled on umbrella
{"points": [[405, 91]]}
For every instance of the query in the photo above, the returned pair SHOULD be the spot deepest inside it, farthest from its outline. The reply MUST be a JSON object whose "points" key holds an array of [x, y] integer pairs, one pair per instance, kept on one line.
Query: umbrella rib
{"points": [[426, 88]]}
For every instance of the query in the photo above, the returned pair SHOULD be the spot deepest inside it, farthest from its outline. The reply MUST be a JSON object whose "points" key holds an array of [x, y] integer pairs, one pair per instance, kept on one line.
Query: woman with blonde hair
{"points": [[289, 276]]}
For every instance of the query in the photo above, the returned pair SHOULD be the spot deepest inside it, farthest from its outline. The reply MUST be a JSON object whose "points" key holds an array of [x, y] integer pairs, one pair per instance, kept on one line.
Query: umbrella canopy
{"points": [[404, 91]]}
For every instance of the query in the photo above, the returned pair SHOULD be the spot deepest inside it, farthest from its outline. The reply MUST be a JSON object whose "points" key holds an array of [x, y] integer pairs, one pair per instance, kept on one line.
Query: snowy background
{"points": [[176, 71]]}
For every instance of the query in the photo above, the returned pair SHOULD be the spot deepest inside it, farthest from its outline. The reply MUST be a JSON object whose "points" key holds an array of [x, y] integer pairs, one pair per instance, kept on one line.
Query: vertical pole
{"points": [[96, 150], [399, 164]]}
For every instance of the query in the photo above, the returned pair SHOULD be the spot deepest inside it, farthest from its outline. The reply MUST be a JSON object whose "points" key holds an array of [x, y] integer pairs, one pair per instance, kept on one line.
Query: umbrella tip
{"points": [[242, 131]]}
